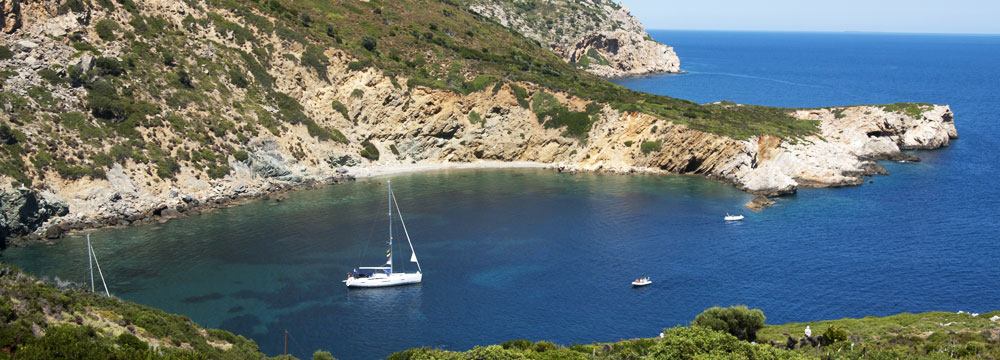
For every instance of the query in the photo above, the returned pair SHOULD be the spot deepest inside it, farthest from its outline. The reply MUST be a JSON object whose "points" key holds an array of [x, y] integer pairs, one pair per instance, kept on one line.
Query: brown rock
{"points": [[759, 203]]}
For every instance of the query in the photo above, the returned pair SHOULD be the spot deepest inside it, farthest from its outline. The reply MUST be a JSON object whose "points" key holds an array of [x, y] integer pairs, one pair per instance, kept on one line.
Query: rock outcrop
{"points": [[23, 211], [600, 36]]}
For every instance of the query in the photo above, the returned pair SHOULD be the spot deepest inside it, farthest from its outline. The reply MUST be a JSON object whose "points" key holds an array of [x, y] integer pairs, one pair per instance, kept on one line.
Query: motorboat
{"points": [[733, 217]]}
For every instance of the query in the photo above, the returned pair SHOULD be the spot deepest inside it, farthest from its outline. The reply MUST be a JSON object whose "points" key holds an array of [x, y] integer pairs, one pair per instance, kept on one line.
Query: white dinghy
{"points": [[733, 217], [641, 282], [382, 276]]}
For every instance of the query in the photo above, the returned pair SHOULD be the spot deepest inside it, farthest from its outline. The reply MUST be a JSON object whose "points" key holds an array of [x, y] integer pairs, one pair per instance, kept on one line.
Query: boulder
{"points": [[53, 232], [169, 213]]}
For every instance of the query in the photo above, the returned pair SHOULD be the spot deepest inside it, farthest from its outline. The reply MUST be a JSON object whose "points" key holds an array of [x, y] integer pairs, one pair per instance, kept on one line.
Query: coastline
{"points": [[397, 169]]}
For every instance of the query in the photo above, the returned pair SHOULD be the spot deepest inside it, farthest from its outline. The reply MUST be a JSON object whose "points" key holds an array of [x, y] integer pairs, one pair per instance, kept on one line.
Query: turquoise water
{"points": [[543, 255]]}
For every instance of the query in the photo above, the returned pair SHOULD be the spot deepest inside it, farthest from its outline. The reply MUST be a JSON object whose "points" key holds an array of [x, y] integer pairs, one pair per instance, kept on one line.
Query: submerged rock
{"points": [[760, 202]]}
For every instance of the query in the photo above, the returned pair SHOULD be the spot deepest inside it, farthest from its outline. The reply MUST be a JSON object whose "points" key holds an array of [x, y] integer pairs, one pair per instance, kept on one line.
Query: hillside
{"points": [[129, 112], [600, 36], [40, 321]]}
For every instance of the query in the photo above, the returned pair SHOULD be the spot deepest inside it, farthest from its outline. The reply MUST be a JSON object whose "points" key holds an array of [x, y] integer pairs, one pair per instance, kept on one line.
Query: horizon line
{"points": [[832, 32]]}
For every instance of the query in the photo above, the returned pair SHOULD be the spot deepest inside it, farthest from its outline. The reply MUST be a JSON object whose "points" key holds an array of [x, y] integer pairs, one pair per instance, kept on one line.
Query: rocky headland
{"points": [[104, 129], [600, 36]]}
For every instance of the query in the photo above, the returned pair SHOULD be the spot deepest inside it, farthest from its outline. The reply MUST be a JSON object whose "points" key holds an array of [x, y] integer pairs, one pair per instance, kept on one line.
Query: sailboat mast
{"points": [[90, 260], [413, 258], [390, 226]]}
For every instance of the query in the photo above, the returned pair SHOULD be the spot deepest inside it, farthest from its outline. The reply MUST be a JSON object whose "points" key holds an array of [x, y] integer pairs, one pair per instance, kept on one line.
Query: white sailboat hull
{"points": [[383, 280]]}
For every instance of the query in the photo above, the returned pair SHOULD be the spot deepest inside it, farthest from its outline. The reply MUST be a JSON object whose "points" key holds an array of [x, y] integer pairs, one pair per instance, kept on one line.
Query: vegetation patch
{"points": [[913, 110], [369, 151], [649, 146]]}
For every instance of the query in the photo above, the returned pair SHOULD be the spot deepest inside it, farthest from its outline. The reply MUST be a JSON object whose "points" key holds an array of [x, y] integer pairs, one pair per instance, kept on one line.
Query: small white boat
{"points": [[641, 282], [733, 217], [382, 276]]}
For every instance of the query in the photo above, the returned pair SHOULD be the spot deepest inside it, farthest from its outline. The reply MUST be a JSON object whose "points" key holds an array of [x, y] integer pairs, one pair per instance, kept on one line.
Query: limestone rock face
{"points": [[600, 36], [850, 139]]}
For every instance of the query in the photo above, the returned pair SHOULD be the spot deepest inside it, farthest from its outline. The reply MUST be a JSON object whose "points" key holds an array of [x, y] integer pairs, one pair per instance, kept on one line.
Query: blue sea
{"points": [[541, 255]]}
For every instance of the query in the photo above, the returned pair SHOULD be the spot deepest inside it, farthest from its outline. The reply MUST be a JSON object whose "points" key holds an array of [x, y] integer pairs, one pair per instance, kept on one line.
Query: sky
{"points": [[906, 16]]}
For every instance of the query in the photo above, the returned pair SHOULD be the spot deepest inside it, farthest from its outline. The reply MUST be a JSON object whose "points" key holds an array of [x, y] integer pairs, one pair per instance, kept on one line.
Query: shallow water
{"points": [[542, 255]]}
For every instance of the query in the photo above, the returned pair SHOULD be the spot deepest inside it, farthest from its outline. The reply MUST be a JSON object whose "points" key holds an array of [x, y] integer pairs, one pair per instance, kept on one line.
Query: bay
{"points": [[536, 254]]}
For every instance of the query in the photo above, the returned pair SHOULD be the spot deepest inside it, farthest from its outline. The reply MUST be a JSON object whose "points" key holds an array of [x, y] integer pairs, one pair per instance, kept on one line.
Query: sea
{"points": [[541, 255]]}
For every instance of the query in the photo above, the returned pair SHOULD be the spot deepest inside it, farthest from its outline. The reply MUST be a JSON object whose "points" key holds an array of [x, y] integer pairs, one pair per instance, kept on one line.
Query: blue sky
{"points": [[911, 16]]}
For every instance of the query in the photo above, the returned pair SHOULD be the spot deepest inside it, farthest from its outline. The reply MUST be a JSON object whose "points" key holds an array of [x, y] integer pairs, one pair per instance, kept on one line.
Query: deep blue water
{"points": [[541, 255]]}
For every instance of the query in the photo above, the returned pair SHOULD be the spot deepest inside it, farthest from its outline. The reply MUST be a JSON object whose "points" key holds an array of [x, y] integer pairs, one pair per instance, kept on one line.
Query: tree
{"points": [[739, 321]]}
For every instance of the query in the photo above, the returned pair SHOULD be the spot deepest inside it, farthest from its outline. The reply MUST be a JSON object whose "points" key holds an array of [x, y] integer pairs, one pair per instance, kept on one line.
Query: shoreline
{"points": [[398, 169], [60, 227]]}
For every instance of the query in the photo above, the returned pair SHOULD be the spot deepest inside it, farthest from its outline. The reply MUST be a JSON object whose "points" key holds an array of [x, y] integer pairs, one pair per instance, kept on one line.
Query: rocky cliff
{"points": [[600, 36], [131, 113]]}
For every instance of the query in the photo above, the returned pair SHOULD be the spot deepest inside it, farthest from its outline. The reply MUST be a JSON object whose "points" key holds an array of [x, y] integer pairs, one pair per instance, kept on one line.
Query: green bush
{"points": [[738, 321], [369, 43], [106, 29], [241, 155], [649, 146], [5, 53], [628, 143], [834, 334], [108, 66], [323, 355], [51, 76], [357, 93], [369, 152], [341, 108], [474, 117]]}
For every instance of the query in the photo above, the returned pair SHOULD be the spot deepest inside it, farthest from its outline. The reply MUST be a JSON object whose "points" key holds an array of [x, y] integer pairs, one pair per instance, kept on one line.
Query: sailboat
{"points": [[382, 276]]}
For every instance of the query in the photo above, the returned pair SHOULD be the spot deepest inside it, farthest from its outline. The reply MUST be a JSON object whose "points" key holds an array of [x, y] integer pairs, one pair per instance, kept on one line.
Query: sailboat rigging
{"points": [[382, 276]]}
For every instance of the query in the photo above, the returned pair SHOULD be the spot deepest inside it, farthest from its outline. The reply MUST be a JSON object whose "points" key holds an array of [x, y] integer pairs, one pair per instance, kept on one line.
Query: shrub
{"points": [[314, 58], [474, 117], [5, 53], [834, 334], [184, 78], [395, 151], [738, 321], [369, 152], [109, 66], [357, 93], [369, 43], [103, 101], [628, 143], [649, 146], [106, 29], [339, 107], [241, 155], [521, 94], [323, 355], [127, 340], [238, 78], [167, 168], [51, 76]]}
